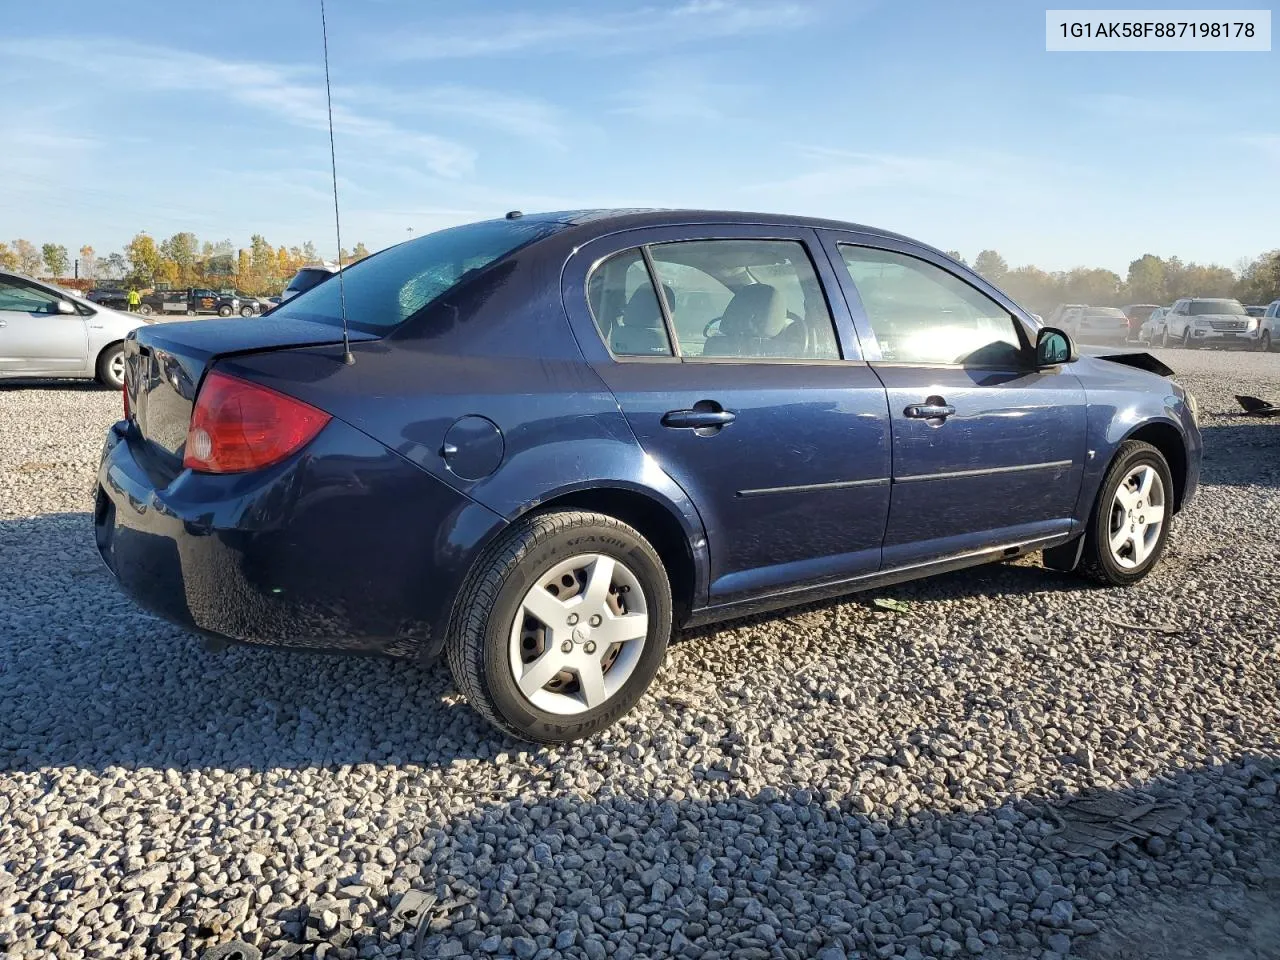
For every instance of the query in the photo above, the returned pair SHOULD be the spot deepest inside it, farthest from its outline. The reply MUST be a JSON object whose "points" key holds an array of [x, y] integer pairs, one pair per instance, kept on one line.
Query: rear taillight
{"points": [[237, 426]]}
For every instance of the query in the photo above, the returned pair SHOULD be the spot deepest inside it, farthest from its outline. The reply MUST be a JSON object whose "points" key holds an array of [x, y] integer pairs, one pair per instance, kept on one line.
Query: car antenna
{"points": [[347, 356]]}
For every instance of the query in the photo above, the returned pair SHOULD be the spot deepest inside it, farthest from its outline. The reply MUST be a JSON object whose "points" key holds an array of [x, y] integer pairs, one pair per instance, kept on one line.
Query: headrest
{"points": [[641, 311], [758, 310]]}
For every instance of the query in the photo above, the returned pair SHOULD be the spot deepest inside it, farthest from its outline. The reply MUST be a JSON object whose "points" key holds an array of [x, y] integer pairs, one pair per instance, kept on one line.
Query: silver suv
{"points": [[1202, 322], [1269, 326]]}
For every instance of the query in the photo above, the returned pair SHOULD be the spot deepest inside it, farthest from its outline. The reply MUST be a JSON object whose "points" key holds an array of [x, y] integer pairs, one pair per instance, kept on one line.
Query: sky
{"points": [[945, 121]]}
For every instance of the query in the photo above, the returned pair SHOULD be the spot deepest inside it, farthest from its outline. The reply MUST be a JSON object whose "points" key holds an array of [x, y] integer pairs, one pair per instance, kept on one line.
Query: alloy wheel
{"points": [[1137, 517], [117, 366], [578, 634]]}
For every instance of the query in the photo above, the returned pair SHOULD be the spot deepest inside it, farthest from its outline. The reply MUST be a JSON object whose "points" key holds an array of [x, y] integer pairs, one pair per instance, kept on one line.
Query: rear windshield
{"points": [[1106, 312], [1200, 308], [388, 288]]}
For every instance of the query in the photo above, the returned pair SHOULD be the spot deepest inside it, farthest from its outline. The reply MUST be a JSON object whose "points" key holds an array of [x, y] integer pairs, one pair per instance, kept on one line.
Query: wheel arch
{"points": [[1166, 438], [682, 549], [102, 352]]}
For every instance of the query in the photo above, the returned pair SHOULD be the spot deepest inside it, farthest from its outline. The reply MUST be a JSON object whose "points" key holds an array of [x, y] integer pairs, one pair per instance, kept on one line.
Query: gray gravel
{"points": [[838, 781]]}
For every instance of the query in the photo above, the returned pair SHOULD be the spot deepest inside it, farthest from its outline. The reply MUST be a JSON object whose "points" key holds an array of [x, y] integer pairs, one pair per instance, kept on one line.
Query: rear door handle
{"points": [[698, 419], [935, 408]]}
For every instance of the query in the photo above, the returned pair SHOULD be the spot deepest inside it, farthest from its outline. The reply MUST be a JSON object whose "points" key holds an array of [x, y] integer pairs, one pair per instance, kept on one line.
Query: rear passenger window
{"points": [[625, 307], [920, 313], [748, 299]]}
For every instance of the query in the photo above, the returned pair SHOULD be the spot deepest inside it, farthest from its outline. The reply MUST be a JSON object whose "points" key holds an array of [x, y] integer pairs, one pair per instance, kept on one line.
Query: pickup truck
{"points": [[191, 301]]}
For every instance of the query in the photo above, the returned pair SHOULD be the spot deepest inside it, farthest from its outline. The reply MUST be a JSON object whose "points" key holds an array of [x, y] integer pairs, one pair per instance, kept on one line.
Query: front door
{"points": [[988, 450], [36, 339], [735, 384]]}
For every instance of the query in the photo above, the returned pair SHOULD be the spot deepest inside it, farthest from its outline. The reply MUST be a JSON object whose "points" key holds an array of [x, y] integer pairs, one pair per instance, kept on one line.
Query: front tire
{"points": [[225, 311], [146, 310], [561, 626], [1164, 338], [1129, 526], [1265, 343], [110, 369], [246, 311], [1186, 340]]}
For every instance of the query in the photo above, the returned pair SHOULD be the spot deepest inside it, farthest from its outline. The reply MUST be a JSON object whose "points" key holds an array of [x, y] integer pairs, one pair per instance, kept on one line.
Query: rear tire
{"points": [[110, 370], [550, 562], [1164, 338], [246, 311], [1265, 343], [1123, 518], [1186, 340], [146, 310]]}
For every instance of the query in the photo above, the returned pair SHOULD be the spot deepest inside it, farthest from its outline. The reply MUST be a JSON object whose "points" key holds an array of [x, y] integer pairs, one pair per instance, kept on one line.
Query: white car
{"points": [[1096, 324], [1269, 326], [1202, 321], [1152, 329], [46, 331]]}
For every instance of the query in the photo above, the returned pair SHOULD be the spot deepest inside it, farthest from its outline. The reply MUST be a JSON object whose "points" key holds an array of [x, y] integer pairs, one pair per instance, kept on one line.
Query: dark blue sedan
{"points": [[564, 434]]}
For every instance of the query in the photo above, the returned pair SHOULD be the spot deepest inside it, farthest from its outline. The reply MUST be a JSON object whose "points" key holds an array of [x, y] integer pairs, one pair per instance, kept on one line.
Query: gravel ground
{"points": [[836, 781]]}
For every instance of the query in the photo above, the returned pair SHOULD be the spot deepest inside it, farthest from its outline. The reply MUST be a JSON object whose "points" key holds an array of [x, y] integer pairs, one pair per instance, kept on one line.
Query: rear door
{"points": [[987, 449], [744, 385], [35, 339]]}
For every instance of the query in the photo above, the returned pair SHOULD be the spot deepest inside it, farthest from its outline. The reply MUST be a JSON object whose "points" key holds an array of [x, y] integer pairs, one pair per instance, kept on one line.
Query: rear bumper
{"points": [[346, 547]]}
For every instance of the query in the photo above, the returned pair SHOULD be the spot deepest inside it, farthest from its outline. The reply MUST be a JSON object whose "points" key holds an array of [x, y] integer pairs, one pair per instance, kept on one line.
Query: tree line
{"points": [[262, 269], [181, 260], [1150, 279]]}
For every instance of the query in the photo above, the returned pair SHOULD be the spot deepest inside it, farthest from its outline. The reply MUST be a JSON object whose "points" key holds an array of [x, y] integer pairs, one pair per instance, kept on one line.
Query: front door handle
{"points": [[934, 408], [697, 418]]}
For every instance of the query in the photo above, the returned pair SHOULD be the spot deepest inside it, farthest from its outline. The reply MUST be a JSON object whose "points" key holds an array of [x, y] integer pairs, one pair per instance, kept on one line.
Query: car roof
{"points": [[602, 221]]}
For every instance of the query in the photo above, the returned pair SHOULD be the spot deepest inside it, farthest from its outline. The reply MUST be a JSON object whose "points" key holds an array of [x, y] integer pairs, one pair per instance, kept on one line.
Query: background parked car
{"points": [[1269, 326], [1058, 315], [1137, 314], [306, 278], [114, 298], [46, 331], [1205, 321], [1152, 328], [1097, 324]]}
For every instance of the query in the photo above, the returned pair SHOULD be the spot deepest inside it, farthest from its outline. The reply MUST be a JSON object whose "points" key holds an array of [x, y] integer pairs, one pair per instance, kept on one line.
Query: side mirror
{"points": [[63, 306], [1054, 347]]}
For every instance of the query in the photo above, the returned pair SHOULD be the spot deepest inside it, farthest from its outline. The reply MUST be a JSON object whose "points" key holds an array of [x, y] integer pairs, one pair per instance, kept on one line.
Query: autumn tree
{"points": [[1147, 282], [8, 259], [144, 261], [88, 262], [55, 259], [113, 266], [28, 257], [359, 252], [991, 265], [181, 250], [955, 255]]}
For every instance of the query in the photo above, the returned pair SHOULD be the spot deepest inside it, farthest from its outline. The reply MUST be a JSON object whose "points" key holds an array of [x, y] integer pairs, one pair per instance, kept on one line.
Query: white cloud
{"points": [[596, 32], [525, 117], [677, 93], [293, 96]]}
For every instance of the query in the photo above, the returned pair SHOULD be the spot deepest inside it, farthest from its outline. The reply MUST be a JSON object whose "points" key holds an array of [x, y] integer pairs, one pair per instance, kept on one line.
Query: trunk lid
{"points": [[164, 364]]}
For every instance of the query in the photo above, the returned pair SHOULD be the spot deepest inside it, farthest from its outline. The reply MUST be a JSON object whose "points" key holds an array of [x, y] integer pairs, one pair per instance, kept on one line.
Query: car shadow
{"points": [[83, 385], [1031, 870], [1243, 453], [89, 679]]}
